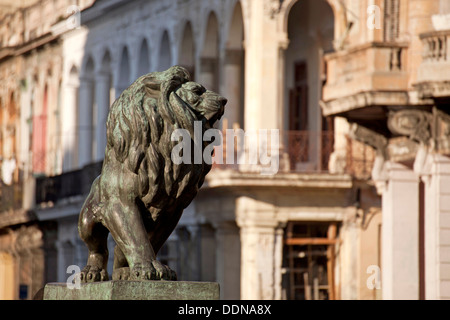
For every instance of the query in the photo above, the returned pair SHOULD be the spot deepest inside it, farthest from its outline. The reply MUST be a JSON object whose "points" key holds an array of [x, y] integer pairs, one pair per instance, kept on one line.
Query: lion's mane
{"points": [[139, 128]]}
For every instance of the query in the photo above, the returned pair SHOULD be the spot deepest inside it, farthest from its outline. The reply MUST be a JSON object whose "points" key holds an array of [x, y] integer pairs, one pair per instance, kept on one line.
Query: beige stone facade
{"points": [[391, 84], [30, 138]]}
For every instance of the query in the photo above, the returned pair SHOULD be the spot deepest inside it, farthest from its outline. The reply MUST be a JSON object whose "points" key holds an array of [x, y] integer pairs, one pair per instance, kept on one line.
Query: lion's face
{"points": [[206, 104]]}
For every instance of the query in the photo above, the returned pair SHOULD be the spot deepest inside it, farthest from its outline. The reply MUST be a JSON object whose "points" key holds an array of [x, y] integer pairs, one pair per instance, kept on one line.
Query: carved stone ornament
{"points": [[369, 137], [442, 129], [415, 124], [272, 7], [141, 193]]}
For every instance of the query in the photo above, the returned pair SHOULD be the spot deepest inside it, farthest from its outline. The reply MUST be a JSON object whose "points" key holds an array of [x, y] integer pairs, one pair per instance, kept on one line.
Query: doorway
{"points": [[309, 260]]}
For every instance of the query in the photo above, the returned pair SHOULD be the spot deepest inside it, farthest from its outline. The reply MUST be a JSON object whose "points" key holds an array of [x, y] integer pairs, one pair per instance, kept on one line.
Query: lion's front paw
{"points": [[121, 273], [139, 272], [163, 272], [93, 274]]}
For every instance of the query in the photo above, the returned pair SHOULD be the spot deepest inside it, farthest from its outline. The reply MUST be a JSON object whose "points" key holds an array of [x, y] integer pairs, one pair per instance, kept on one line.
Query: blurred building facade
{"points": [[356, 88], [390, 84]]}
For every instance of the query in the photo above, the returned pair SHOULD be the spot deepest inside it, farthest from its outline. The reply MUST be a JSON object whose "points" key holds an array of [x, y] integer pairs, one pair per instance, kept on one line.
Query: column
{"points": [[228, 260], [233, 86], [400, 234], [260, 249], [437, 229], [194, 261], [262, 75], [257, 262], [86, 99], [102, 94]]}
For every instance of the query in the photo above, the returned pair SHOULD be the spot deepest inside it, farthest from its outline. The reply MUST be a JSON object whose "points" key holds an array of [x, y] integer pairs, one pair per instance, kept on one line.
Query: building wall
{"points": [[30, 138], [245, 51]]}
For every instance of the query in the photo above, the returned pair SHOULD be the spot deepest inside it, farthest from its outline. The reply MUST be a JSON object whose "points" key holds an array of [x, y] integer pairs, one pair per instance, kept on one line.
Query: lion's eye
{"points": [[198, 90]]}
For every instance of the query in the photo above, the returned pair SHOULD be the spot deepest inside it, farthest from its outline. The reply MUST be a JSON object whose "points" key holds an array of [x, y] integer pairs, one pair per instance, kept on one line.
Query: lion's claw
{"points": [[163, 272], [156, 271], [142, 273]]}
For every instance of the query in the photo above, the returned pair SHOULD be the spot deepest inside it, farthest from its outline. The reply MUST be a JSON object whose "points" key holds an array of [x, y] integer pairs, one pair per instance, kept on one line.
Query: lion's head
{"points": [[139, 128]]}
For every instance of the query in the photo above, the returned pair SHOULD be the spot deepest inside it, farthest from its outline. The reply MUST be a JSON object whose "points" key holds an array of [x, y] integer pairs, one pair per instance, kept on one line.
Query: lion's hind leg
{"points": [[95, 235]]}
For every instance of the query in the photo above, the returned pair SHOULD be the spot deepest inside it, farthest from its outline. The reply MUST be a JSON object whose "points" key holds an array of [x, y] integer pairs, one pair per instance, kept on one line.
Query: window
{"points": [[309, 261]]}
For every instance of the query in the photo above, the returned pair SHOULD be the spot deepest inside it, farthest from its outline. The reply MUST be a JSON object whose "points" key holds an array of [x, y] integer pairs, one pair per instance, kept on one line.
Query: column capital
{"points": [[283, 41]]}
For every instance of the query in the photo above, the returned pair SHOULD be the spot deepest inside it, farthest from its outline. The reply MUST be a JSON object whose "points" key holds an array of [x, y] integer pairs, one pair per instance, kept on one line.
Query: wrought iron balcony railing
{"points": [[297, 151], [294, 151]]}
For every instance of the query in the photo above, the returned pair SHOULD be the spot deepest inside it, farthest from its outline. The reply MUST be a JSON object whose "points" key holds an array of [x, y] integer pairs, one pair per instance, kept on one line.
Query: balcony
{"points": [[433, 80], [362, 80], [66, 185], [303, 152]]}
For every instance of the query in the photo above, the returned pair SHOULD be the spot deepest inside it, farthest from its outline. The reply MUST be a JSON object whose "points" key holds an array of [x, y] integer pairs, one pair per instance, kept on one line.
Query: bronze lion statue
{"points": [[141, 193]]}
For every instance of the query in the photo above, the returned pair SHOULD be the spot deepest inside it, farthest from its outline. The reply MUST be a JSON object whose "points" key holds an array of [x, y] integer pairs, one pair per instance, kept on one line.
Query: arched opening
{"points": [[234, 71], [86, 99], [186, 56], [311, 33], [209, 66], [69, 116], [165, 55], [39, 142], [310, 25], [103, 102], [124, 72], [143, 62], [11, 125]]}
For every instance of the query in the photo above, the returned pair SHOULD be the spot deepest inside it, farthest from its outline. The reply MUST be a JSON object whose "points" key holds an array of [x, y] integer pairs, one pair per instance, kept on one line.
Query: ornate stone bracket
{"points": [[415, 124], [369, 137], [379, 143], [441, 130]]}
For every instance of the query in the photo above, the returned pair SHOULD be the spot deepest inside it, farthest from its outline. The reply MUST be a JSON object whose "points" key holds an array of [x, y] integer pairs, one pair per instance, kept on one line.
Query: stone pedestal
{"points": [[134, 290]]}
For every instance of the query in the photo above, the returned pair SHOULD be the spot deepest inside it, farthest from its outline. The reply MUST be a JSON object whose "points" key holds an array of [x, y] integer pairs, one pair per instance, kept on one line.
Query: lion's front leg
{"points": [[157, 271], [128, 230]]}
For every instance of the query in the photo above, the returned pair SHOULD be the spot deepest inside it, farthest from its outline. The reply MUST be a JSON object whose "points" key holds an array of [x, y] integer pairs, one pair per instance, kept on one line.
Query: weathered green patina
{"points": [[141, 193], [134, 290]]}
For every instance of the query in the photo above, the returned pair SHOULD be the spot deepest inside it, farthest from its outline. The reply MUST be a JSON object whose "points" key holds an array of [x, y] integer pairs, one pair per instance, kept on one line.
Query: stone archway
{"points": [[123, 80], [209, 59], [186, 55], [310, 31], [234, 71], [86, 96], [144, 59], [165, 54]]}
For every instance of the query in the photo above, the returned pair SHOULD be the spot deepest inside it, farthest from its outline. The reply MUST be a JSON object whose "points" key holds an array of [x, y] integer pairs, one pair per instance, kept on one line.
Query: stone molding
{"points": [[433, 89], [364, 99]]}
